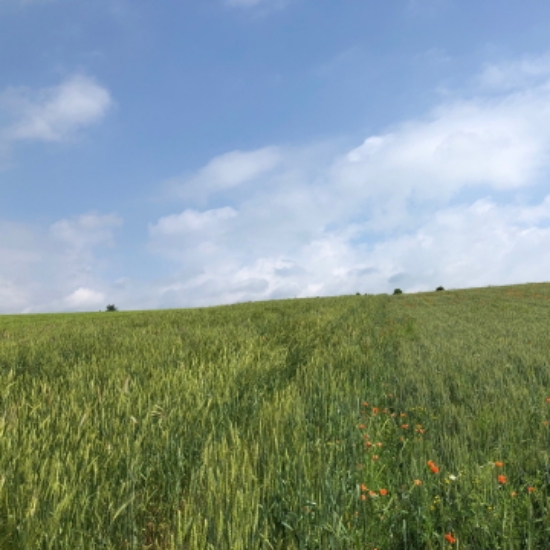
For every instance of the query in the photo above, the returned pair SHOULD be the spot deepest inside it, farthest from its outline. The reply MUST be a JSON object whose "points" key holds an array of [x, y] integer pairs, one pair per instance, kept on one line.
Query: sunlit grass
{"points": [[407, 421]]}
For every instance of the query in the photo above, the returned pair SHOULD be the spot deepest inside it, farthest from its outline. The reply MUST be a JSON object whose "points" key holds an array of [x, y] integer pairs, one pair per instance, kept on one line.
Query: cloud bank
{"points": [[381, 213], [457, 197], [59, 269]]}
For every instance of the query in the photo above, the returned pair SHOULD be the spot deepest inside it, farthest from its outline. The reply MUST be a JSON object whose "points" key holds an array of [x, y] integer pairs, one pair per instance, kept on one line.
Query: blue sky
{"points": [[194, 153]]}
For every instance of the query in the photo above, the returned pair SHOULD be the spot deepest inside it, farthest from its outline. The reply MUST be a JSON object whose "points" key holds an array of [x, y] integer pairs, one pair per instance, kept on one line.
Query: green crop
{"points": [[356, 422]]}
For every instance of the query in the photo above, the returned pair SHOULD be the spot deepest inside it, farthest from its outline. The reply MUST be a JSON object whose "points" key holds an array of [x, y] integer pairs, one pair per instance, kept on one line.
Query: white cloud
{"points": [[85, 297], [191, 221], [473, 245], [459, 246], [516, 74], [457, 198], [375, 215], [57, 113], [87, 230], [55, 270], [237, 167], [77, 241], [225, 172], [500, 143], [13, 297]]}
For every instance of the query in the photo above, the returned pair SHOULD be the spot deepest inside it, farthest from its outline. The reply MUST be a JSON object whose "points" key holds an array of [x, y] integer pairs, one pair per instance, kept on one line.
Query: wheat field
{"points": [[354, 422]]}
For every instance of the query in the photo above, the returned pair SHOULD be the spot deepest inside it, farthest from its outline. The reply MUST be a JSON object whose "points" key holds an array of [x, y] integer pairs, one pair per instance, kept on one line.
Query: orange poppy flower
{"points": [[530, 489], [404, 426], [363, 487], [383, 492], [433, 467], [499, 464], [361, 426], [418, 482], [375, 457], [502, 479], [449, 538]]}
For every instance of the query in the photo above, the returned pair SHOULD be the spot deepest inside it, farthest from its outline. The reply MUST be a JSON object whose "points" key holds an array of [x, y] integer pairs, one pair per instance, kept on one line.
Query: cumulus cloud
{"points": [[466, 245], [500, 143], [13, 297], [87, 230], [85, 297], [482, 243], [225, 172], [79, 239], [191, 233], [54, 114], [57, 268], [190, 222], [376, 215], [516, 74], [457, 197]]}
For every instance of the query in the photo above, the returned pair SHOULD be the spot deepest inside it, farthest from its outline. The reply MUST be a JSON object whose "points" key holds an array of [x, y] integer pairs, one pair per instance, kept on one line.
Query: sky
{"points": [[192, 153]]}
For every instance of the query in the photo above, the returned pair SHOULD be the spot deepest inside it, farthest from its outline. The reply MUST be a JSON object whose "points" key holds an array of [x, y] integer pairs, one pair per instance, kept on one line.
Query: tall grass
{"points": [[389, 422]]}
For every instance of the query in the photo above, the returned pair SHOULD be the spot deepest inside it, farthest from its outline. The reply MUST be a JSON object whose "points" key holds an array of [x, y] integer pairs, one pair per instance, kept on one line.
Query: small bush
{"points": [[398, 291], [358, 294], [111, 307], [440, 288]]}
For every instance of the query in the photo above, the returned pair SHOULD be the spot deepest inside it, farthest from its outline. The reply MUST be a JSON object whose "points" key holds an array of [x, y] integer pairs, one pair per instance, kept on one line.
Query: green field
{"points": [[355, 422]]}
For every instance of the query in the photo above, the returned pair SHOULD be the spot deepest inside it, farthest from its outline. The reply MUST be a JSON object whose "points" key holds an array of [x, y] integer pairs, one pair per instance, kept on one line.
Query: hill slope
{"points": [[410, 421]]}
